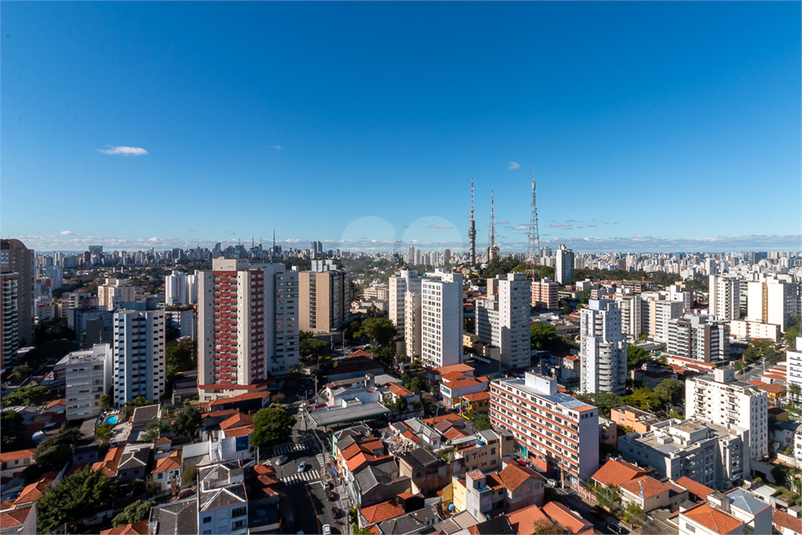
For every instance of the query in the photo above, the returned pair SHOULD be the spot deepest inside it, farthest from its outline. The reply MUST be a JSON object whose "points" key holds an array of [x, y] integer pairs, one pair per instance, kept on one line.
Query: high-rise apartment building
{"points": [[115, 293], [603, 349], [247, 325], [794, 374], [564, 267], [17, 294], [664, 312], [88, 376], [632, 314], [175, 289], [502, 319], [696, 337], [555, 431], [139, 347], [722, 400], [324, 297], [441, 319], [724, 298], [406, 281], [412, 325], [545, 294], [772, 301]]}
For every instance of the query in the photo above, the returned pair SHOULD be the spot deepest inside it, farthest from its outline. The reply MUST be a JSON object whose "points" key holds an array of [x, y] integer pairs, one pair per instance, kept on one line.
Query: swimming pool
{"points": [[110, 420]]}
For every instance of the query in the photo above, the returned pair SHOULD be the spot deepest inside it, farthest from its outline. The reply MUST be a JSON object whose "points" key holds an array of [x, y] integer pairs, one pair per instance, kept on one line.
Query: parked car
{"points": [[337, 512], [185, 493], [281, 460], [326, 529], [615, 528], [551, 483], [302, 466], [330, 496]]}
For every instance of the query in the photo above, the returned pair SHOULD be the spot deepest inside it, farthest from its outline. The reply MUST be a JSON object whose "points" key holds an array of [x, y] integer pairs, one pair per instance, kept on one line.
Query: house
{"points": [[571, 522], [647, 492], [263, 485], [513, 488], [617, 471], [397, 390], [476, 403], [222, 499], [134, 462], [419, 521], [456, 384], [143, 416], [360, 430], [423, 470], [378, 482], [380, 512], [247, 403], [18, 521], [137, 528], [168, 471], [12, 463], [163, 447], [36, 490], [523, 520], [708, 519], [747, 507], [110, 462], [786, 524], [696, 491], [435, 375], [175, 517], [499, 525]]}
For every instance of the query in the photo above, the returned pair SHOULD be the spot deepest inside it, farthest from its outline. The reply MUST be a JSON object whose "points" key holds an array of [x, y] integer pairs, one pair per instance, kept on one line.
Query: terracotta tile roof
{"points": [[110, 463], [616, 471], [409, 435], [453, 433], [494, 481], [712, 518], [524, 519], [477, 396], [217, 414], [350, 451], [360, 459], [515, 475], [697, 489], [381, 512], [781, 520], [645, 487], [406, 495], [399, 390], [7, 456], [240, 431], [165, 464], [14, 517], [564, 517], [437, 419], [236, 420], [454, 376], [462, 383], [34, 491], [57, 403], [162, 440], [138, 528], [443, 370], [234, 399], [483, 379]]}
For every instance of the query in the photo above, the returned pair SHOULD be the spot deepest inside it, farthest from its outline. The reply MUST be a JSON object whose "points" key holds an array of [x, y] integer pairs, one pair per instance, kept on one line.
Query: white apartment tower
{"points": [[664, 312], [603, 349], [412, 325], [632, 308], [115, 293], [724, 298], [139, 346], [551, 429], [441, 319], [723, 401], [406, 281], [772, 301], [175, 289], [88, 377], [564, 268], [794, 375], [247, 326], [502, 319]]}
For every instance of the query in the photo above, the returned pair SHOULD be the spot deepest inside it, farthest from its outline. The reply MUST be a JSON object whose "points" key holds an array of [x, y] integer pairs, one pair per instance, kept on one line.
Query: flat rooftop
{"points": [[354, 412]]}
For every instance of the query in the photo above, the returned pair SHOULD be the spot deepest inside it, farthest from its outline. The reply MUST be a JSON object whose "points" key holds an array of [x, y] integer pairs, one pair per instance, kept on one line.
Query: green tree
{"points": [[547, 527], [188, 422], [643, 398], [153, 430], [304, 335], [542, 335], [180, 357], [481, 421], [739, 366], [55, 451], [21, 371], [103, 432], [312, 346], [12, 431], [604, 401], [29, 395], [791, 333], [189, 475], [77, 497], [670, 391], [385, 356], [636, 357], [759, 348], [632, 512], [411, 382], [271, 426], [607, 496], [379, 330], [134, 512]]}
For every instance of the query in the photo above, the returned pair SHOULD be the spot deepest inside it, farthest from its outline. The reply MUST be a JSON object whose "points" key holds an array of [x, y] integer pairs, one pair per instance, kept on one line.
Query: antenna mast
{"points": [[534, 231], [472, 230]]}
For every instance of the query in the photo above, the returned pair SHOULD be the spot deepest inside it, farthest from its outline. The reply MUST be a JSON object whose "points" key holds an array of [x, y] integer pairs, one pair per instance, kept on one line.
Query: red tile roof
{"points": [[697, 489], [515, 475], [57, 403], [381, 512], [781, 520], [523, 520], [7, 456], [15, 517], [138, 528], [236, 420], [645, 487], [477, 396], [240, 397], [616, 471], [240, 431], [165, 464], [712, 518], [564, 517], [111, 462], [399, 390]]}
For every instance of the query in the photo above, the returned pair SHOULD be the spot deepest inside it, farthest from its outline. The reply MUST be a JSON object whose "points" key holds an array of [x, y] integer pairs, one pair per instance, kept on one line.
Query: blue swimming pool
{"points": [[110, 420]]}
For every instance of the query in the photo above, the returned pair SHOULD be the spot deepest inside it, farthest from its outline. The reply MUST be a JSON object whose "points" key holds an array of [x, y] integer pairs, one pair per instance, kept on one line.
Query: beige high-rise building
{"points": [[16, 297], [724, 298], [115, 293], [406, 281], [772, 301], [324, 299], [412, 325]]}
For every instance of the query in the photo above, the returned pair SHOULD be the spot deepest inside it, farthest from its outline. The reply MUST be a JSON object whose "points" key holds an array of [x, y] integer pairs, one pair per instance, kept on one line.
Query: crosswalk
{"points": [[320, 460], [310, 475], [288, 448]]}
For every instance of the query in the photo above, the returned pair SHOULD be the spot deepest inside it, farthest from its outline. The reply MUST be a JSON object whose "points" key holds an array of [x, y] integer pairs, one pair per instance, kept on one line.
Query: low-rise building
{"points": [[633, 418], [222, 499], [88, 377], [168, 471]]}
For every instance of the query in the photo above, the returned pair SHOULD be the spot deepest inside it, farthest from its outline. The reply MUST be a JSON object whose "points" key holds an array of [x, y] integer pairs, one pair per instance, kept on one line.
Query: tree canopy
{"points": [[29, 395], [604, 401], [271, 426], [543, 335], [134, 512], [52, 453], [76, 497], [13, 432], [481, 421], [188, 422], [379, 330], [670, 391], [636, 357], [759, 348]]}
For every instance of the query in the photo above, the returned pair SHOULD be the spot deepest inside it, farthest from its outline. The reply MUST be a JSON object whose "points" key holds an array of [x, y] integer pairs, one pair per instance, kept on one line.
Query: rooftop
{"points": [[356, 411], [712, 518]]}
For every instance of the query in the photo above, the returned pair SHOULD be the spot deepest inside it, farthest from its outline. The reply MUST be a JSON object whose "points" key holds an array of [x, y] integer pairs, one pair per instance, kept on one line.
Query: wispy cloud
{"points": [[520, 227], [505, 222], [125, 151], [441, 227], [513, 166], [563, 225], [66, 233], [277, 147], [591, 226]]}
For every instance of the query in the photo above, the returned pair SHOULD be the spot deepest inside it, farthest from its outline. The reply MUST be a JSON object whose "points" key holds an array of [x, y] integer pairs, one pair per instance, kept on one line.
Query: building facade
{"points": [[441, 319], [603, 349], [17, 292], [544, 294], [247, 325], [88, 377], [406, 281], [502, 319], [695, 337], [115, 293], [139, 347], [564, 267], [324, 299], [725, 298]]}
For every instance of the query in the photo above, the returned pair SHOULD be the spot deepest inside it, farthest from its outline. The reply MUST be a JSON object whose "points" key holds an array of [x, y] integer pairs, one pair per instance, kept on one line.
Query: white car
{"points": [[302, 466], [281, 460], [326, 529]]}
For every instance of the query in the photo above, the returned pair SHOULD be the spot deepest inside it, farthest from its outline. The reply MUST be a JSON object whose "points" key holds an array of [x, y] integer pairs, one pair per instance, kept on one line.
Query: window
{"points": [[207, 520], [239, 511], [690, 528]]}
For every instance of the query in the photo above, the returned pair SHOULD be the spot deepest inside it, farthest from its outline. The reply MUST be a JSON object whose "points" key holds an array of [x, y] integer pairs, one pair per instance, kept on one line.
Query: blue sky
{"points": [[653, 126]]}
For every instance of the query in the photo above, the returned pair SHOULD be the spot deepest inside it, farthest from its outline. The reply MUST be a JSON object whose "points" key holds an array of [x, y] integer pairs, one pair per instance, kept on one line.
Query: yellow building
{"points": [[471, 404]]}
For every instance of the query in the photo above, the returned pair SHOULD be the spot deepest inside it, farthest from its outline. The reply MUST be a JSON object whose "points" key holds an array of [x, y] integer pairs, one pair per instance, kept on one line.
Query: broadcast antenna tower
{"points": [[534, 232], [472, 230]]}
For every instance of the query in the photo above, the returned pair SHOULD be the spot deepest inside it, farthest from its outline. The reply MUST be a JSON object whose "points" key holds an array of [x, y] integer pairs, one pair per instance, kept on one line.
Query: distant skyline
{"points": [[668, 126]]}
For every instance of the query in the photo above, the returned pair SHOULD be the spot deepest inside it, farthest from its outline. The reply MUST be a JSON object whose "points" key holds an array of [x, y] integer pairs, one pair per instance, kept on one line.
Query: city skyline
{"points": [[653, 127]]}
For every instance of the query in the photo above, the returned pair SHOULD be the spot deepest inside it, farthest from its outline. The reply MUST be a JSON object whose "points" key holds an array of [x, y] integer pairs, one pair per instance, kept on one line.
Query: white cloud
{"points": [[564, 225], [520, 227], [277, 147], [513, 166], [66, 233], [126, 151], [505, 222]]}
